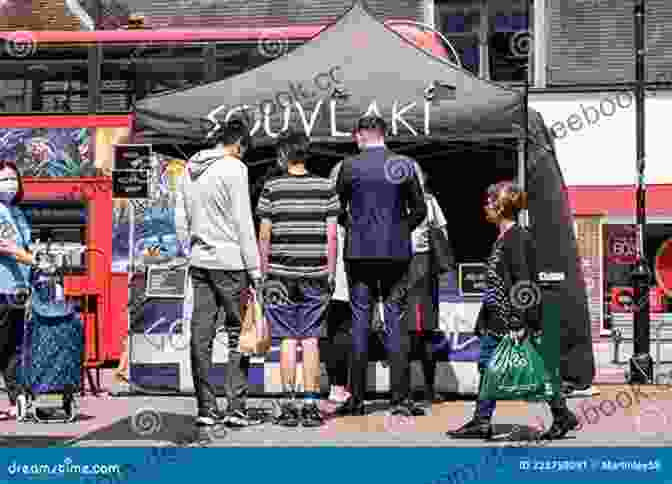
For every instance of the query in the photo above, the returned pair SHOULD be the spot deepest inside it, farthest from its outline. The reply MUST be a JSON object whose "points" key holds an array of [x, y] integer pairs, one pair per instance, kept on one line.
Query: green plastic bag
{"points": [[516, 372]]}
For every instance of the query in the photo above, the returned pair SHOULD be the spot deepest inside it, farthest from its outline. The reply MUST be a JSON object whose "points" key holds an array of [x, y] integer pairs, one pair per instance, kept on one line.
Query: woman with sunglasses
{"points": [[511, 262], [15, 262]]}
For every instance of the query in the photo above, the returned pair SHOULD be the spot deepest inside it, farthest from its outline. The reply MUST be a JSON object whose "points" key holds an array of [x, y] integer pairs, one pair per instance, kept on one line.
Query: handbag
{"points": [[516, 372], [255, 333], [443, 259]]}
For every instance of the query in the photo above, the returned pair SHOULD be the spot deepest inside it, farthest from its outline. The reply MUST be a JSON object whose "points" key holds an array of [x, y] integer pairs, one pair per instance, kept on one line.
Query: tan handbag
{"points": [[255, 334]]}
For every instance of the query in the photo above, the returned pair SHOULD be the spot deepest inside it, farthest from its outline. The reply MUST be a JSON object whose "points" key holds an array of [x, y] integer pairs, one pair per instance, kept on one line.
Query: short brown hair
{"points": [[509, 198], [19, 193]]}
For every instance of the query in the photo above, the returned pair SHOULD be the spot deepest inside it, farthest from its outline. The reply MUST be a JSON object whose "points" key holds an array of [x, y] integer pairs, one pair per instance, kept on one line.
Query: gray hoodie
{"points": [[213, 215]]}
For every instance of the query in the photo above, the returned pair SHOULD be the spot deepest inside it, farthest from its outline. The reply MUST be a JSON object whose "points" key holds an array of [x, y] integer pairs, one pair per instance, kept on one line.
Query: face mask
{"points": [[8, 189]]}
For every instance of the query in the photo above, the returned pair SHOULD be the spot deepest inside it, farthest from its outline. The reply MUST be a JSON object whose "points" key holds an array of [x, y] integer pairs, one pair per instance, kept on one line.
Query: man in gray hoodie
{"points": [[214, 224]]}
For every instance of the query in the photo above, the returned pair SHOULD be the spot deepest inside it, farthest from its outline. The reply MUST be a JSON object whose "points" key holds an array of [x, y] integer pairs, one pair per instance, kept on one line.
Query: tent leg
{"points": [[524, 214]]}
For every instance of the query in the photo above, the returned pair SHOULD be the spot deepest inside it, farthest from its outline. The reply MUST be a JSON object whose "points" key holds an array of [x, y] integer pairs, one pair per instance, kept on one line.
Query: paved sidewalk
{"points": [[627, 418]]}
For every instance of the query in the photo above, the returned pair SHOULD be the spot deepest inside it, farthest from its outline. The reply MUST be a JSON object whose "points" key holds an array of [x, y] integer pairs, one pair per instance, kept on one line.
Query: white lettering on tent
{"points": [[396, 117], [285, 124], [427, 107], [308, 128], [373, 109], [334, 130]]}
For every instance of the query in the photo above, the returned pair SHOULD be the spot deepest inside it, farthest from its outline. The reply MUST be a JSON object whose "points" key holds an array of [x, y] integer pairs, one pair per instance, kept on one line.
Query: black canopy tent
{"points": [[358, 65]]}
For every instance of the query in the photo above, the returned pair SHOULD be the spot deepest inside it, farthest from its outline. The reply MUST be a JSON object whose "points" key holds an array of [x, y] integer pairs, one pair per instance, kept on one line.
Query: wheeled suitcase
{"points": [[49, 372]]}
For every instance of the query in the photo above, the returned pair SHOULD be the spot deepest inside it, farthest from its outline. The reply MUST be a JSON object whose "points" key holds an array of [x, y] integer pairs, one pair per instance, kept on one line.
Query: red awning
{"points": [[619, 200]]}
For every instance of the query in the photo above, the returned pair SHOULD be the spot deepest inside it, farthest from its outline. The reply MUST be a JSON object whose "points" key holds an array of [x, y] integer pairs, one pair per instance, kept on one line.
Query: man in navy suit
{"points": [[384, 203]]}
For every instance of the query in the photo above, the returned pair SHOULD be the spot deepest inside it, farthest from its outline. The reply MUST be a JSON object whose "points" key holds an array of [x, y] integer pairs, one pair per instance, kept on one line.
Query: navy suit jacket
{"points": [[380, 212]]}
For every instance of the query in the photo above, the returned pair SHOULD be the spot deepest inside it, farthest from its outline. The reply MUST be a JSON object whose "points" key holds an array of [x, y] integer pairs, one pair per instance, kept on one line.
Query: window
{"points": [[491, 36]]}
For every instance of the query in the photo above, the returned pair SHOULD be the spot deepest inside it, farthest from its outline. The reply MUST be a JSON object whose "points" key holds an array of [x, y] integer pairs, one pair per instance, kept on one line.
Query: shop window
{"points": [[503, 27], [42, 78], [620, 253]]}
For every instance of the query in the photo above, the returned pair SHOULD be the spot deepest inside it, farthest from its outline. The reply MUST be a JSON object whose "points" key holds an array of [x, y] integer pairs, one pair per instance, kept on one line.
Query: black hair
{"points": [[371, 122], [293, 146], [234, 131]]}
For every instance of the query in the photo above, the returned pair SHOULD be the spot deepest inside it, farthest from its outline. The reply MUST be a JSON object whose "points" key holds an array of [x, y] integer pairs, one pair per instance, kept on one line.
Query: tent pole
{"points": [[641, 363], [522, 172]]}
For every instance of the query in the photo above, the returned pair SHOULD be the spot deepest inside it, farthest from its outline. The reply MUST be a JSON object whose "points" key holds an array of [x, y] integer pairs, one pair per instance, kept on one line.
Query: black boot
{"points": [[564, 421], [351, 408], [476, 428]]}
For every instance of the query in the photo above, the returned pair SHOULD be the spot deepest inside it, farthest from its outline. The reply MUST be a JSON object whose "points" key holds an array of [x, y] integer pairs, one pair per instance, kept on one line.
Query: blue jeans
{"points": [[485, 408]]}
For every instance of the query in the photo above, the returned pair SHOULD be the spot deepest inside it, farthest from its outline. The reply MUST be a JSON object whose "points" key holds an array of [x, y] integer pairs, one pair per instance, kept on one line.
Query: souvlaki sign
{"points": [[309, 118], [322, 87]]}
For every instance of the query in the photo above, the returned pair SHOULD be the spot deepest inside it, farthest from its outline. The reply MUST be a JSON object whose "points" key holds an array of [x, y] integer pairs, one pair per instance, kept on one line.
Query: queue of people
{"points": [[379, 277]]}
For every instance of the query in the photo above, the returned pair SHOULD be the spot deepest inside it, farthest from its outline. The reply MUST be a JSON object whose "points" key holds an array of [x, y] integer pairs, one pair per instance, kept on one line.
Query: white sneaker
{"points": [[341, 396]]}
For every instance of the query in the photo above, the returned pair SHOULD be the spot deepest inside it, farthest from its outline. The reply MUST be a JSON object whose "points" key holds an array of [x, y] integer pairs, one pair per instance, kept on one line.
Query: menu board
{"points": [[166, 282], [131, 172], [472, 279]]}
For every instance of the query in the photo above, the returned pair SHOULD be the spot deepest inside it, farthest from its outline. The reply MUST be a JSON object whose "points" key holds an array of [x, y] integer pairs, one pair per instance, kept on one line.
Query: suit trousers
{"points": [[368, 281]]}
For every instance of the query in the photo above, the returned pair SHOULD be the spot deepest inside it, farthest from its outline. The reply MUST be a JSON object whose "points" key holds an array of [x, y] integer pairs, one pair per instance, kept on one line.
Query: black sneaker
{"points": [[407, 408], [562, 424], [476, 428], [311, 415], [239, 419], [209, 418], [570, 390], [289, 416]]}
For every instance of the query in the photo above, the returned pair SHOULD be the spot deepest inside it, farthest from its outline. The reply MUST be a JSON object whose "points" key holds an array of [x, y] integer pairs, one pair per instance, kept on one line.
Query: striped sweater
{"points": [[299, 209]]}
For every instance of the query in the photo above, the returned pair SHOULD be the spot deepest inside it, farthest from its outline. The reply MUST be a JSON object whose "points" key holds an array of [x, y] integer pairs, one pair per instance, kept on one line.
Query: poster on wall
{"points": [[620, 255], [154, 232], [49, 152], [621, 244]]}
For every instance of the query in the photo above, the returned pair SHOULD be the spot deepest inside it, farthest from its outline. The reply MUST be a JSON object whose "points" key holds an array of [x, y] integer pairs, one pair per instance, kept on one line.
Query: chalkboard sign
{"points": [[130, 172], [166, 282], [472, 279], [130, 184]]}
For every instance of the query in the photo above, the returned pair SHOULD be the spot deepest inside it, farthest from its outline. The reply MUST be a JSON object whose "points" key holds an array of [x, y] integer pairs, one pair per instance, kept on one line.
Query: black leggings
{"points": [[339, 344], [421, 345], [11, 332]]}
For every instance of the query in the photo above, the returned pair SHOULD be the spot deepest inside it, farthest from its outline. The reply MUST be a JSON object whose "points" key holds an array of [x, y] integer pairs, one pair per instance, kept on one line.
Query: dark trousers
{"points": [[216, 290], [368, 280], [424, 347], [485, 408], [339, 343], [11, 335]]}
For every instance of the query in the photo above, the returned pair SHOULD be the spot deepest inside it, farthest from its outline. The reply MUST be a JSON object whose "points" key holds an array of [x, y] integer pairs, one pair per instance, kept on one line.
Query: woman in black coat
{"points": [[512, 264], [422, 305]]}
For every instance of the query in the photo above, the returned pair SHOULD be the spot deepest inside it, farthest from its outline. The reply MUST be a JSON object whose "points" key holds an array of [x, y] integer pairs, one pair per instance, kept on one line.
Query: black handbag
{"points": [[443, 259]]}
